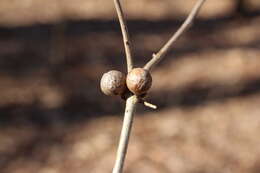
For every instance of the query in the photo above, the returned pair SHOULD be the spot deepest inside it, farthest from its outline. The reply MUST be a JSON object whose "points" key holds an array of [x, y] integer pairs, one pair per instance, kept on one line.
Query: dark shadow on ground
{"points": [[196, 95], [25, 50]]}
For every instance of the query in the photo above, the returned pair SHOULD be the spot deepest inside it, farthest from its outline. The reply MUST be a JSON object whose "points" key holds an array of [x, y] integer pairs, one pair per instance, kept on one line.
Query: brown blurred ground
{"points": [[26, 12], [53, 118]]}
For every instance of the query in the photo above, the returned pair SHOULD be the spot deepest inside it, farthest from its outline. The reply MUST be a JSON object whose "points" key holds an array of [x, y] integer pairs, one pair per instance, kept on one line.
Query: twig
{"points": [[132, 100], [127, 42], [131, 103], [150, 105], [187, 23]]}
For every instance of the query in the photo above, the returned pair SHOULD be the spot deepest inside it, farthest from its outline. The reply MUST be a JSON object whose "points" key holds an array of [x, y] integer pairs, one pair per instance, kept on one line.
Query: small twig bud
{"points": [[113, 83]]}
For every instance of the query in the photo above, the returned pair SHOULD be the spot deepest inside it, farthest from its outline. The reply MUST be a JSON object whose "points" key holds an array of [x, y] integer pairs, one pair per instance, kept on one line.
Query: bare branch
{"points": [[187, 23], [125, 34], [131, 103]]}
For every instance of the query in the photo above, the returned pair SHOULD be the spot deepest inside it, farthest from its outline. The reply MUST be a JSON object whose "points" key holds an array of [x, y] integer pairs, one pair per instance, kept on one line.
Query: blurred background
{"points": [[54, 119]]}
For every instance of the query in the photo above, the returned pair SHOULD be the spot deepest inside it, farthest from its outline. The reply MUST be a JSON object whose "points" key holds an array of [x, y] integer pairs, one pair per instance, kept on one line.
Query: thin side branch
{"points": [[131, 103], [150, 105], [127, 43], [187, 23]]}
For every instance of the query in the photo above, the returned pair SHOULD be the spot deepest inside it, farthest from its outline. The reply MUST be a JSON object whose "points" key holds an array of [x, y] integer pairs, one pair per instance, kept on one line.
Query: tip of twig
{"points": [[150, 105]]}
